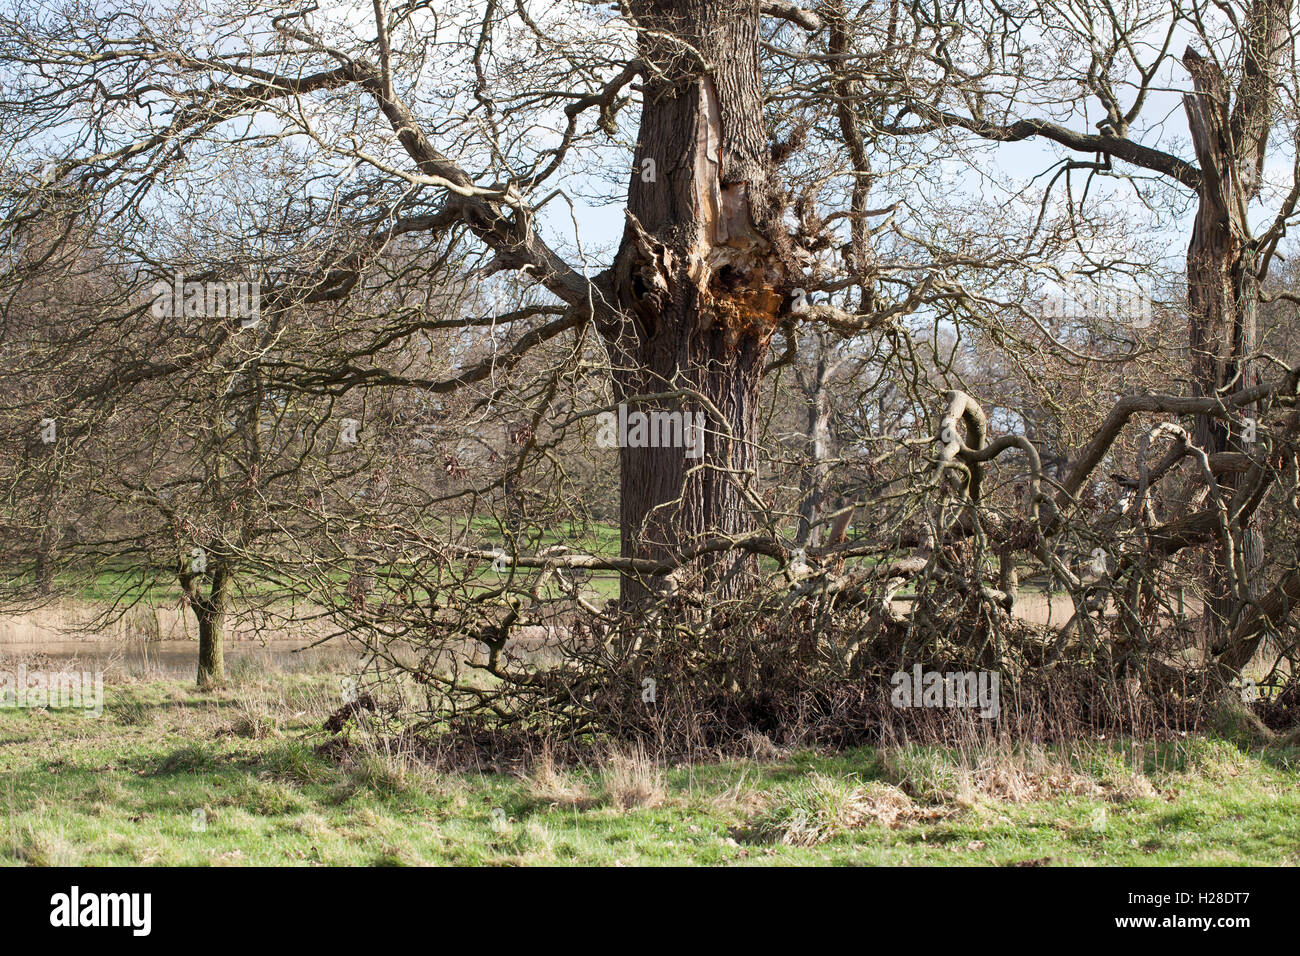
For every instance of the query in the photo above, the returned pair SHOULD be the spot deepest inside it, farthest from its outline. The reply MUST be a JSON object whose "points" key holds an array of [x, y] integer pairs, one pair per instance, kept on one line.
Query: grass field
{"points": [[159, 585], [168, 775]]}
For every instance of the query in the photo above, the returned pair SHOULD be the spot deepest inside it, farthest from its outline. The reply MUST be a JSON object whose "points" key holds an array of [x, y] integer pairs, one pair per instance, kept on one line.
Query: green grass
{"points": [[154, 585], [169, 775], [158, 585]]}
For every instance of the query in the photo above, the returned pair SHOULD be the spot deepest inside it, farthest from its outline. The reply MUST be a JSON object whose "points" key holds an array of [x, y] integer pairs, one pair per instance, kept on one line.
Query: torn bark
{"points": [[702, 279], [1229, 136]]}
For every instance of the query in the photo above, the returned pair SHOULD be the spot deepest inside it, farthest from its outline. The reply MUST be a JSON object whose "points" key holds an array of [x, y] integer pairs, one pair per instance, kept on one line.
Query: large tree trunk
{"points": [[702, 276], [1223, 282], [211, 614], [1222, 296]]}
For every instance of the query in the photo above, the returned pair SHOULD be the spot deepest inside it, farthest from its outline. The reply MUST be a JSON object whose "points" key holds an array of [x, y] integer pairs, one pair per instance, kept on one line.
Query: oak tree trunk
{"points": [[1222, 287], [702, 275]]}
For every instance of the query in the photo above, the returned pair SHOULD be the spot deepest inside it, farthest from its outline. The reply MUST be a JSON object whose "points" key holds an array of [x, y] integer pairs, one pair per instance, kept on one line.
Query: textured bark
{"points": [[817, 434], [860, 257], [1273, 610], [1222, 290], [703, 275], [47, 554], [1222, 293], [210, 610], [1222, 263]]}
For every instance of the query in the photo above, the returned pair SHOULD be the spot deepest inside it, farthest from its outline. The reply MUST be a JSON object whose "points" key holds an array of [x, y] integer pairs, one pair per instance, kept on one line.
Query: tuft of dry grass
{"points": [[308, 824], [387, 766], [40, 847], [385, 774], [546, 783], [823, 807], [760, 748], [1011, 773], [745, 797], [130, 711], [253, 721], [630, 779]]}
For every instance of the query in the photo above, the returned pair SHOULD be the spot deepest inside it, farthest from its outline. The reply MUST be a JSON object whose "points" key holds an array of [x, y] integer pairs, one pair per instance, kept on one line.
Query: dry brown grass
{"points": [[760, 748], [548, 784], [46, 846], [824, 807], [253, 719], [744, 797], [630, 779], [1012, 773]]}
